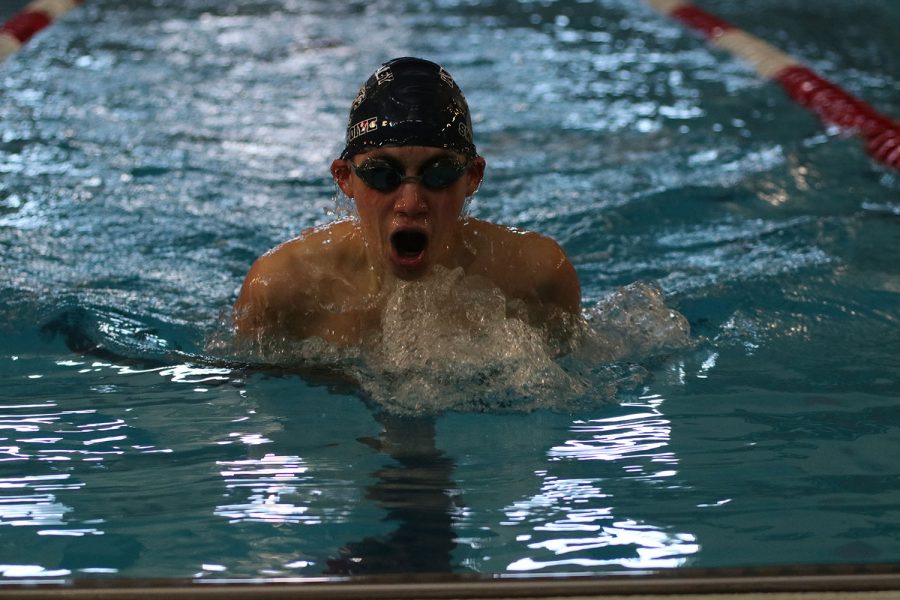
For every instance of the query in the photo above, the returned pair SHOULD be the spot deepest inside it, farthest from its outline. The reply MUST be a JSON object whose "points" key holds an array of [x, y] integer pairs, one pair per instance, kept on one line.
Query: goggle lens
{"points": [[387, 177]]}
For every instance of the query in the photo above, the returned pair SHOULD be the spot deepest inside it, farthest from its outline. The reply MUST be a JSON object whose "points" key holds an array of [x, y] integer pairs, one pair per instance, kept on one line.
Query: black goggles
{"points": [[386, 176]]}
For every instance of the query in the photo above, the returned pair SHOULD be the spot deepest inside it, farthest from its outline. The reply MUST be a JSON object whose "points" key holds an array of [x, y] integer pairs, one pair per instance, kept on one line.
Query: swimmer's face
{"points": [[414, 226]]}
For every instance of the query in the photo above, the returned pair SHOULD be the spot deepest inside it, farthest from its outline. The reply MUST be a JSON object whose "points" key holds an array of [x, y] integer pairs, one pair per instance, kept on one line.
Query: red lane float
{"points": [[829, 101], [22, 26]]}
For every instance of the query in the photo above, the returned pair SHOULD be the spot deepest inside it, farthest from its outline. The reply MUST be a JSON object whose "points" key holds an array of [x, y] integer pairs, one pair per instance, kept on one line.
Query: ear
{"points": [[475, 175], [341, 173]]}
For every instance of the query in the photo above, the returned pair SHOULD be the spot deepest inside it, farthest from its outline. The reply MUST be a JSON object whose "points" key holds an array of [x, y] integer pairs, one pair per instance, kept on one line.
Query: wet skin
{"points": [[332, 282]]}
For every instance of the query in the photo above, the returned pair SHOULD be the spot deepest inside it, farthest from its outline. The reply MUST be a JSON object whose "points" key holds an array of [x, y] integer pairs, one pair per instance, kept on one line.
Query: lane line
{"points": [[23, 25], [829, 101]]}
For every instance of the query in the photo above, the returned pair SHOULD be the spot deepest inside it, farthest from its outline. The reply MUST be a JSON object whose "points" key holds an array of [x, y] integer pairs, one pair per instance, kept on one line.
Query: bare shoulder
{"points": [[295, 261], [533, 264], [283, 281]]}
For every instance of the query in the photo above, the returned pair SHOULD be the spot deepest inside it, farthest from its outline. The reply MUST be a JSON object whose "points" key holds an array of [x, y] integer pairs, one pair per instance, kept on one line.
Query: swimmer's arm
{"points": [[557, 283], [251, 313], [559, 294]]}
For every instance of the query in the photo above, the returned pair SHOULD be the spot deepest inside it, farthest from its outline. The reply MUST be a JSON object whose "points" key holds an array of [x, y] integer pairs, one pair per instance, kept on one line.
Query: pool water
{"points": [[150, 152]]}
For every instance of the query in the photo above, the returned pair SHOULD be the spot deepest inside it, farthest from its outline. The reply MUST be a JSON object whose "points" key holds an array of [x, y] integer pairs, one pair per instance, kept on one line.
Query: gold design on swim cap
{"points": [[445, 76], [360, 97]]}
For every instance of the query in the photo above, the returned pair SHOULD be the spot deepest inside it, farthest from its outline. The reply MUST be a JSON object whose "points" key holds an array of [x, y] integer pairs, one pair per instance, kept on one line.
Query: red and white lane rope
{"points": [[24, 24], [832, 104]]}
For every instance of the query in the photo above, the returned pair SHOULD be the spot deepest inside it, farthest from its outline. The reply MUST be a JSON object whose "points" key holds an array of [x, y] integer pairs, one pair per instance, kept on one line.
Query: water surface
{"points": [[149, 152]]}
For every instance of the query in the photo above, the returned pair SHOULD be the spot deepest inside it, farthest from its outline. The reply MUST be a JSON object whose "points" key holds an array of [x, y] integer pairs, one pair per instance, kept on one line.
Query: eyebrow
{"points": [[381, 155]]}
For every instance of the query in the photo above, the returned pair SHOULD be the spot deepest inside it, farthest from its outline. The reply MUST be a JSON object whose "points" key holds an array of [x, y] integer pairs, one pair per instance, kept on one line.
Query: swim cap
{"points": [[409, 102]]}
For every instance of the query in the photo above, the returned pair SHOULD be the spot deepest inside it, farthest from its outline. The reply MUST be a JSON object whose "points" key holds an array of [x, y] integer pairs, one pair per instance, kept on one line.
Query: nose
{"points": [[409, 201]]}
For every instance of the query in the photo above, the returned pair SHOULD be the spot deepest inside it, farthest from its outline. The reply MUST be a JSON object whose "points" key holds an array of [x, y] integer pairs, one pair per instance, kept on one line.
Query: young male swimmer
{"points": [[409, 164]]}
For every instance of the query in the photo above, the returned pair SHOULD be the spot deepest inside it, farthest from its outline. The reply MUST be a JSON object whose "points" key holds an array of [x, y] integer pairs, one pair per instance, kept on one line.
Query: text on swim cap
{"points": [[384, 74], [358, 129]]}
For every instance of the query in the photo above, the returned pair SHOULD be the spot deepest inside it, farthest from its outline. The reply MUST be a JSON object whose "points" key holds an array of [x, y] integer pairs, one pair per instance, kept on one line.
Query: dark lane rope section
{"points": [[830, 102], [23, 25]]}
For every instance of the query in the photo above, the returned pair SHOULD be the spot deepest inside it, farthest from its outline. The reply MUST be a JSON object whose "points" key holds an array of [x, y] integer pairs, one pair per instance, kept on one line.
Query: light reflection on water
{"points": [[34, 509], [631, 436], [578, 523], [271, 482]]}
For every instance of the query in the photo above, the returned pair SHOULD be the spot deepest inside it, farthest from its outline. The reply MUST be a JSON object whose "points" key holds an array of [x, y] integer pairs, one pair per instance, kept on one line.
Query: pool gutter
{"points": [[863, 582]]}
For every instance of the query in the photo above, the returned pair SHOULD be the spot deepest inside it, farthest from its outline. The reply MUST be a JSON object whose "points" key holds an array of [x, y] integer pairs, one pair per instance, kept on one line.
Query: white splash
{"points": [[450, 341]]}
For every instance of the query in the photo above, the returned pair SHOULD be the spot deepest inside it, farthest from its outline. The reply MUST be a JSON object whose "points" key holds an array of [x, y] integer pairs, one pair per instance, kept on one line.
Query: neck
{"points": [[459, 251]]}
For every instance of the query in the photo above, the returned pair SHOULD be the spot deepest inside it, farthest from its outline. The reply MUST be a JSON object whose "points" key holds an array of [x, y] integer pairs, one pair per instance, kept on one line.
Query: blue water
{"points": [[148, 153]]}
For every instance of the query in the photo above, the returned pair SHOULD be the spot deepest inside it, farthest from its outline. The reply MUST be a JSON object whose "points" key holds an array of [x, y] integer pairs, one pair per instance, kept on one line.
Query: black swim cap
{"points": [[409, 102]]}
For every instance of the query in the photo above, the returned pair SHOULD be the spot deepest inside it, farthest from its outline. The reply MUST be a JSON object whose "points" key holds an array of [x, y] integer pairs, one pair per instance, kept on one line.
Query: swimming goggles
{"points": [[386, 176]]}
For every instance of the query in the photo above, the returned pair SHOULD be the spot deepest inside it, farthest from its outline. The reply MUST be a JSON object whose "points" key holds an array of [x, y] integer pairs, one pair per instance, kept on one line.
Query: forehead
{"points": [[410, 155]]}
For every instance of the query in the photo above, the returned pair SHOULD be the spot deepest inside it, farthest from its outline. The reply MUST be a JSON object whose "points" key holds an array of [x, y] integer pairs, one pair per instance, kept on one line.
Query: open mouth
{"points": [[409, 244], [408, 251]]}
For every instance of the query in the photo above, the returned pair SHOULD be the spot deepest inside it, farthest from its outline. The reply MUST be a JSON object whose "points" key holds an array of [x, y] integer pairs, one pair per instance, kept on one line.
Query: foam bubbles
{"points": [[634, 323], [448, 343]]}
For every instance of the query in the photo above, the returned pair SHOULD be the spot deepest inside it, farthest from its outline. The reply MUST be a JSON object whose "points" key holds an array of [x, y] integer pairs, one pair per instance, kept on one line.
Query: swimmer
{"points": [[409, 164]]}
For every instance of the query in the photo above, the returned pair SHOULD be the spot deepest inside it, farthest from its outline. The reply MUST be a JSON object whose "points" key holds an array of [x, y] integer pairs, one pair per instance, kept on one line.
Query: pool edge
{"points": [[863, 582]]}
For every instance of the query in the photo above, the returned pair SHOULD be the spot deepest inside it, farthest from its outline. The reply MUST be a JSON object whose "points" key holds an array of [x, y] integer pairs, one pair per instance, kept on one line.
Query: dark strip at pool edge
{"points": [[788, 579]]}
